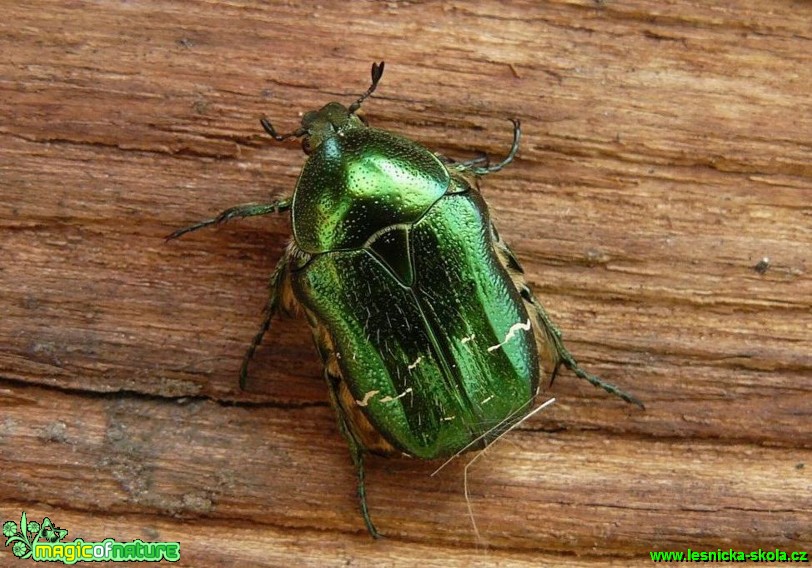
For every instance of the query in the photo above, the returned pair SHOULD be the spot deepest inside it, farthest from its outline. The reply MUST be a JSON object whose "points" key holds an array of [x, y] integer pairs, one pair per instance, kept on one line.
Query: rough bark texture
{"points": [[660, 204]]}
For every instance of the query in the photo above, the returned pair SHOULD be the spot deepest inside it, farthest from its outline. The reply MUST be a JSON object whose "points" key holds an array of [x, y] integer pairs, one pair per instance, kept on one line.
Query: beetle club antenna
{"points": [[266, 124], [377, 73]]}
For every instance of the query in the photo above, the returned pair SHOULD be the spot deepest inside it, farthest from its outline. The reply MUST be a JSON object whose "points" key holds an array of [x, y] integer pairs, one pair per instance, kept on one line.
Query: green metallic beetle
{"points": [[432, 343]]}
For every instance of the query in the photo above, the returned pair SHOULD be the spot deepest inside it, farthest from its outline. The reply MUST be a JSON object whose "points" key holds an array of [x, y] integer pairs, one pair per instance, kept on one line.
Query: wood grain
{"points": [[667, 151]]}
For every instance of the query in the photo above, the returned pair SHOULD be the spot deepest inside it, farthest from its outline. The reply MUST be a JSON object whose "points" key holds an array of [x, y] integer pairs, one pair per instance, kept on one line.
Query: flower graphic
{"points": [[9, 528], [19, 549], [23, 538]]}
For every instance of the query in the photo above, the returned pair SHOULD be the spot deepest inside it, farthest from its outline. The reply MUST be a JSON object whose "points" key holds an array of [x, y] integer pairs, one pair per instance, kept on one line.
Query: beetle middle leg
{"points": [[275, 288], [237, 212], [356, 451]]}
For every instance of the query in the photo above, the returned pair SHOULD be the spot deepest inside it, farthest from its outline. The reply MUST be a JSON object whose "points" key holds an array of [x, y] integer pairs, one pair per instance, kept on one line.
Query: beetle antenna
{"points": [[377, 73], [266, 124]]}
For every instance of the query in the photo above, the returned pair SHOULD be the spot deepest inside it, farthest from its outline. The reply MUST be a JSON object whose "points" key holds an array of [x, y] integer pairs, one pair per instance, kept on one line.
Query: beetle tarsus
{"points": [[362, 495], [573, 366], [249, 354]]}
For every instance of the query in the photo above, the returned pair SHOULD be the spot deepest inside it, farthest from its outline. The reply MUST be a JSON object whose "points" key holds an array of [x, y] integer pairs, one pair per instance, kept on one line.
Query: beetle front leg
{"points": [[482, 159], [565, 357], [356, 452], [277, 282], [237, 212], [471, 165]]}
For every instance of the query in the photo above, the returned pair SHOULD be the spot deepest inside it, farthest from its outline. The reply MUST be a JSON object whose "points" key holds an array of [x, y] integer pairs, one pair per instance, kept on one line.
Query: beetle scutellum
{"points": [[418, 309]]}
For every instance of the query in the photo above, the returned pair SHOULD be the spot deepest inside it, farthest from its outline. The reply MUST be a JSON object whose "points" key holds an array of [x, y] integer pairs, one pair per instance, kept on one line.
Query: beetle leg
{"points": [[237, 212], [488, 169], [467, 164], [545, 324], [356, 451], [483, 159], [565, 357], [278, 279]]}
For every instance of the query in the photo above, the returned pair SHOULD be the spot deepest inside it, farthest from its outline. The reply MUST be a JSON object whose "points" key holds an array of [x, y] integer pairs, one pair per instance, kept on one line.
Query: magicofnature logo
{"points": [[25, 543]]}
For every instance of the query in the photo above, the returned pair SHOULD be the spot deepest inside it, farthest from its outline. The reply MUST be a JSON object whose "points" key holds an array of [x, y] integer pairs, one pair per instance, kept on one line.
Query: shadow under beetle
{"points": [[431, 340]]}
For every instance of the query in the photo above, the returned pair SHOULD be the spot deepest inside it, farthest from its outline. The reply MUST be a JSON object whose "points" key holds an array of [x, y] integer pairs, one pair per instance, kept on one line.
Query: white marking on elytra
{"points": [[416, 363], [482, 452], [448, 418], [521, 326], [465, 340], [367, 396], [393, 399], [487, 399]]}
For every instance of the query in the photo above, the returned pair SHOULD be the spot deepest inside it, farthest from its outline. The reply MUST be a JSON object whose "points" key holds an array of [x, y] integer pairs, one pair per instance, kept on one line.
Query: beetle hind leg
{"points": [[565, 357], [553, 347], [356, 451]]}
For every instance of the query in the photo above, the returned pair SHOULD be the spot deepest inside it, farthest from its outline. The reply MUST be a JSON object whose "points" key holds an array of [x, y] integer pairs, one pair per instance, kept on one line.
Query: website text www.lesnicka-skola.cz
{"points": [[730, 555]]}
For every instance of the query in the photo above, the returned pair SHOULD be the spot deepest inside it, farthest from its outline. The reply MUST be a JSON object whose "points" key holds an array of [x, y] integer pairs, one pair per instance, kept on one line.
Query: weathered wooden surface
{"points": [[666, 152]]}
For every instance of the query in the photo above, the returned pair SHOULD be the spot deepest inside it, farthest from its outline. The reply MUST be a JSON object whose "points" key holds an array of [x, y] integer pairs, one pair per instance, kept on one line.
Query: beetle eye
{"points": [[306, 145]]}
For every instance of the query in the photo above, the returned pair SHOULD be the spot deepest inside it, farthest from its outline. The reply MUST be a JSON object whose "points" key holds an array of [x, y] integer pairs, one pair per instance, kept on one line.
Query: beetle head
{"points": [[332, 119]]}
